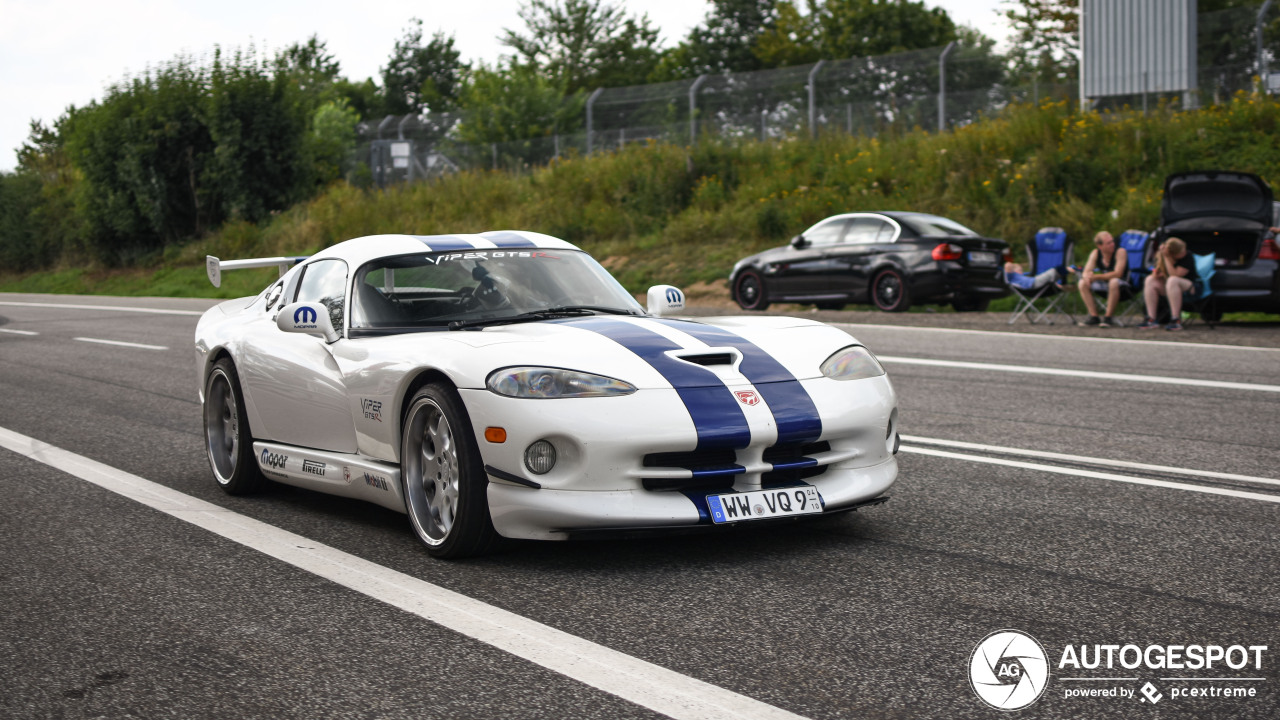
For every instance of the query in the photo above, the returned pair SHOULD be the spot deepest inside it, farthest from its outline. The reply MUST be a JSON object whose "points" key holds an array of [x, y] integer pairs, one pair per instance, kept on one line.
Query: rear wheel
{"points": [[889, 291], [226, 430], [749, 291], [445, 488]]}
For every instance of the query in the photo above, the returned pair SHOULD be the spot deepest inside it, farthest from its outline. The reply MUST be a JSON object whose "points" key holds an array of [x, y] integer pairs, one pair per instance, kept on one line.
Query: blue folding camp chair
{"points": [[1050, 249], [1136, 244]]}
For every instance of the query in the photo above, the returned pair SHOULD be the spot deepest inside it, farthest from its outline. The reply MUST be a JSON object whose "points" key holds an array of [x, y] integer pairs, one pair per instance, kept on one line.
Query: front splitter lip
{"points": [[707, 528]]}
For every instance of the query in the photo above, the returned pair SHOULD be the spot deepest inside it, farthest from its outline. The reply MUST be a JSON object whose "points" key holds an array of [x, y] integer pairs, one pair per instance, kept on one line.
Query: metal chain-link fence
{"points": [[933, 88]]}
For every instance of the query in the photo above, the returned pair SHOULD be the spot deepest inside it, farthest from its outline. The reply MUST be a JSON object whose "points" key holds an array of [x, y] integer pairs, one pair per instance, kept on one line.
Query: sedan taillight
{"points": [[947, 251], [1269, 250]]}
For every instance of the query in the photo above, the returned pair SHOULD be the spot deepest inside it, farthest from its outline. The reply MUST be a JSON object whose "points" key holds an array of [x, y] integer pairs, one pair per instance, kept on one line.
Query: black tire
{"points": [[889, 291], [442, 476], [970, 304], [228, 439], [749, 291]]}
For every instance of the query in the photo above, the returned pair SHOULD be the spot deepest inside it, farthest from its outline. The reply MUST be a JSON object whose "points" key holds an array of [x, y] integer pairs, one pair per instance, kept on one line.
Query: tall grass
{"points": [[664, 213]]}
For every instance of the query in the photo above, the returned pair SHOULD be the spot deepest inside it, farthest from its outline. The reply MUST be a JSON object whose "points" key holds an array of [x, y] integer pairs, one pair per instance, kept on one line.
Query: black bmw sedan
{"points": [[889, 259]]}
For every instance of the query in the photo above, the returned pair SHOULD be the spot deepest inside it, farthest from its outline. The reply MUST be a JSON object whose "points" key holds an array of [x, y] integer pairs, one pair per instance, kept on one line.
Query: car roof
{"points": [[358, 251]]}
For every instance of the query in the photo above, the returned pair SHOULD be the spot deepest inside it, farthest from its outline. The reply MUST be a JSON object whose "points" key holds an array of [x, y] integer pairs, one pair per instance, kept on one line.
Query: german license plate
{"points": [[978, 257], [764, 504]]}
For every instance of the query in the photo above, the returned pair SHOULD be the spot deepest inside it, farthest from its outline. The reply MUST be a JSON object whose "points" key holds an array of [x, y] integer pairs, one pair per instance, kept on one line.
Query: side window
{"points": [[865, 230], [828, 233], [325, 282]]}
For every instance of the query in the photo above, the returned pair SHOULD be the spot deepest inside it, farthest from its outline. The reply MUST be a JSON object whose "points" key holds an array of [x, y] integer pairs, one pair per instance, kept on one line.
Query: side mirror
{"points": [[665, 300], [798, 242], [307, 318]]}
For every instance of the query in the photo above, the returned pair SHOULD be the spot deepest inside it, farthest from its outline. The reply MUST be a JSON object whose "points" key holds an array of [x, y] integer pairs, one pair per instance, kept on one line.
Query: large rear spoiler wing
{"points": [[214, 266]]}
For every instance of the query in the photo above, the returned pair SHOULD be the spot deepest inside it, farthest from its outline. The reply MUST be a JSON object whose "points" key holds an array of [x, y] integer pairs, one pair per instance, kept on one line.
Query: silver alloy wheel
{"points": [[222, 427], [431, 472]]}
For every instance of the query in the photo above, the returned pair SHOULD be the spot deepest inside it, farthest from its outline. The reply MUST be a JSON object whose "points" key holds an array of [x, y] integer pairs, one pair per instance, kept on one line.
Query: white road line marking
{"points": [[637, 681], [1088, 460], [1043, 336], [122, 344], [1092, 474], [1123, 377], [154, 311], [18, 332]]}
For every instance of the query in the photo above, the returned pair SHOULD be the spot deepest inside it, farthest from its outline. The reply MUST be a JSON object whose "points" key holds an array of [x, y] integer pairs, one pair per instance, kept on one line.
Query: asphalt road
{"points": [[114, 609]]}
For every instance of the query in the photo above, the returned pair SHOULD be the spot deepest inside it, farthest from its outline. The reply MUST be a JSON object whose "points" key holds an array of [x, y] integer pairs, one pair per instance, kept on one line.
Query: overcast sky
{"points": [[55, 53]]}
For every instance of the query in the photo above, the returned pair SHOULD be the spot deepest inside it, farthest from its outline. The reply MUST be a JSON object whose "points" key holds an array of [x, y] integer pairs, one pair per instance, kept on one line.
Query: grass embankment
{"points": [[662, 213]]}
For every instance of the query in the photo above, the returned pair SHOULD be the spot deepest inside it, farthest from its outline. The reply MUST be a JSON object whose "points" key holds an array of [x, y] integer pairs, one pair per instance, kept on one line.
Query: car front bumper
{"points": [[523, 512], [634, 462]]}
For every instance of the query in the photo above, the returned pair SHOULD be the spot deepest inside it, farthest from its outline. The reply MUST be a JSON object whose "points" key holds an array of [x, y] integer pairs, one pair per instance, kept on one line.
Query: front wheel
{"points": [[749, 291], [889, 291], [226, 430], [445, 488]]}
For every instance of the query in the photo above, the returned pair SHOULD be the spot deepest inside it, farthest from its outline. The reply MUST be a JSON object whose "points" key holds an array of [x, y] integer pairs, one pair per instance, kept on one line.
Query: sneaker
{"points": [[1093, 320], [1175, 325], [1107, 321], [1148, 324]]}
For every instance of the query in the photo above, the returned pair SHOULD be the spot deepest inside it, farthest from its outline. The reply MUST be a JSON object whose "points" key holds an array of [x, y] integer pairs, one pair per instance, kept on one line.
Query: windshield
{"points": [[431, 290], [936, 226]]}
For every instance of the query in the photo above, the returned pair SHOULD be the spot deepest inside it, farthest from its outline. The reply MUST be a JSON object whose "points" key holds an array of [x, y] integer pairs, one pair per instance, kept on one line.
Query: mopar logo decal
{"points": [[372, 409], [313, 467], [272, 460], [304, 315], [674, 296], [377, 481]]}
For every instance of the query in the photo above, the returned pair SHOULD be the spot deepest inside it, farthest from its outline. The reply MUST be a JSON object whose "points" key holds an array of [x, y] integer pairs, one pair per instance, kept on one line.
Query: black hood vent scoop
{"points": [[712, 358]]}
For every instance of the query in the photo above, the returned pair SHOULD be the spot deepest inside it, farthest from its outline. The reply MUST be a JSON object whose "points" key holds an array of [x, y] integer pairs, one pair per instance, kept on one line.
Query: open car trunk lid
{"points": [[1215, 193]]}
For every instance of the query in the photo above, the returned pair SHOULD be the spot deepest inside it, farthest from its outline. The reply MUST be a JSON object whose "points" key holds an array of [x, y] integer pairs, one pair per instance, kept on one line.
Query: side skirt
{"points": [[352, 476]]}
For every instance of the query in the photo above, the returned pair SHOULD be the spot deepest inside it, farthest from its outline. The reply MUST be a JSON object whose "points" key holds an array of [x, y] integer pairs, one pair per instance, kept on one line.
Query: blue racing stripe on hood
{"points": [[442, 243], [716, 416], [509, 240], [793, 410]]}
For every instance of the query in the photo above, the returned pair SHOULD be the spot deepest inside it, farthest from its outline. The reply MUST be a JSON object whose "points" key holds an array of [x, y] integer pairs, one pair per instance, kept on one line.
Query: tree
{"points": [[422, 76], [515, 102], [1046, 40], [862, 28], [310, 65], [585, 44], [724, 42]]}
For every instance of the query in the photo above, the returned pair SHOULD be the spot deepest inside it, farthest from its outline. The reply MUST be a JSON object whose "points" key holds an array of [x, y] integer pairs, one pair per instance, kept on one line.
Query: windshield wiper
{"points": [[534, 315]]}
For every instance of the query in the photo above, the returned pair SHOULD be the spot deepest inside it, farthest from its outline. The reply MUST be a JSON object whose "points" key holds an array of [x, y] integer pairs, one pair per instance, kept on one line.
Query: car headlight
{"points": [[540, 382], [852, 363]]}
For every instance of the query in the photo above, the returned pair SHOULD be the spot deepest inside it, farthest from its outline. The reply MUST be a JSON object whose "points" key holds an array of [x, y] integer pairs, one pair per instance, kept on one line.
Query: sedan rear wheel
{"points": [[445, 488], [226, 430], [749, 291], [889, 291]]}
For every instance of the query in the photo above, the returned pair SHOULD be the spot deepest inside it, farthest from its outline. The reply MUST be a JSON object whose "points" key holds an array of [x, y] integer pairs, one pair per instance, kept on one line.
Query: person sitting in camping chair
{"points": [[1174, 274], [1104, 272], [1014, 275]]}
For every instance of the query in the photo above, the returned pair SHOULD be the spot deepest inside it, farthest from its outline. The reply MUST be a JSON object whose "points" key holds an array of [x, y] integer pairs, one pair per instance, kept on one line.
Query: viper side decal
{"points": [[794, 411]]}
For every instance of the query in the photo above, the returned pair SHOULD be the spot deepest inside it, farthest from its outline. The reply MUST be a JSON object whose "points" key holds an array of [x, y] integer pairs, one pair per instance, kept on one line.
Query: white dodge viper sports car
{"points": [[504, 384]]}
